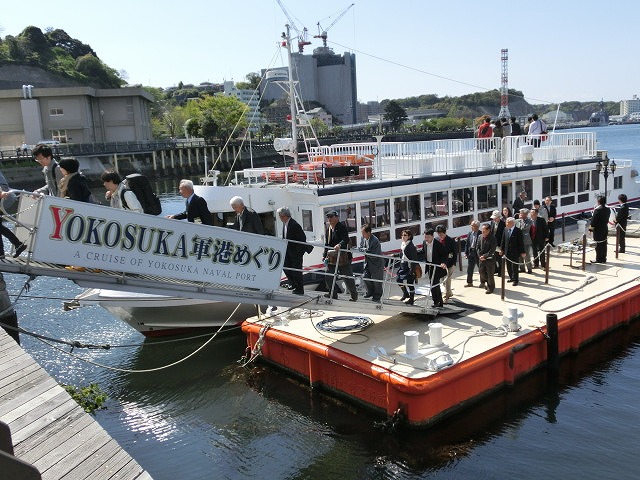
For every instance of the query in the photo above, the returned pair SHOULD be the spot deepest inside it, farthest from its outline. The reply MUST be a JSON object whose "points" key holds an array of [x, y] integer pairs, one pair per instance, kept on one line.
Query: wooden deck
{"points": [[51, 431]]}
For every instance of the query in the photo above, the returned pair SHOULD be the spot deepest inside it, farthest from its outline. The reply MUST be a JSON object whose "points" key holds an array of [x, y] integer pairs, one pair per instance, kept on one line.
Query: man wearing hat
{"points": [[497, 228], [337, 240]]}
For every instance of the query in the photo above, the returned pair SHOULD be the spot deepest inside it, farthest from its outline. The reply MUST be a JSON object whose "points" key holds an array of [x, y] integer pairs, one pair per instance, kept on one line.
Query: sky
{"points": [[561, 51]]}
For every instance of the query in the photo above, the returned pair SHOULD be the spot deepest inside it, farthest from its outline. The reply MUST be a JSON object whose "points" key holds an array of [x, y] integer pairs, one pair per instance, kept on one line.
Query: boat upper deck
{"points": [[362, 162]]}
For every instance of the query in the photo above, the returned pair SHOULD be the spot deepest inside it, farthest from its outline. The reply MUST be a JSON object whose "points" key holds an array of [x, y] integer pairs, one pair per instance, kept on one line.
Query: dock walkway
{"points": [[49, 430]]}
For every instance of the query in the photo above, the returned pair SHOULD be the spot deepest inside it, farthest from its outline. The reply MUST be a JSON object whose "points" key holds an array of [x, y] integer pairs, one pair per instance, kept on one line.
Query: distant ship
{"points": [[600, 118]]}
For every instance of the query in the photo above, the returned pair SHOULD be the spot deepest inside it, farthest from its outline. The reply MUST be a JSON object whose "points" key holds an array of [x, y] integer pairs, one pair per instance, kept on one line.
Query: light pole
{"points": [[605, 167]]}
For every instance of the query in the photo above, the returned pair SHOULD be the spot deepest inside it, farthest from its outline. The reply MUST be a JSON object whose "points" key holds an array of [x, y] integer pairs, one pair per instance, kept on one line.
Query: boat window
{"points": [[462, 200], [487, 197], [567, 183], [583, 197], [485, 216], [376, 213], [617, 182], [383, 235], [307, 220], [269, 223], [527, 186], [595, 180], [583, 181], [550, 186], [406, 209], [436, 204], [570, 200], [462, 221]]}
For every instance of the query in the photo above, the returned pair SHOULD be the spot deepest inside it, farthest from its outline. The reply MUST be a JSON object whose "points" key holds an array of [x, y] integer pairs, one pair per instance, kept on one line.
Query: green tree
{"points": [[252, 83], [395, 114], [319, 127], [217, 116]]}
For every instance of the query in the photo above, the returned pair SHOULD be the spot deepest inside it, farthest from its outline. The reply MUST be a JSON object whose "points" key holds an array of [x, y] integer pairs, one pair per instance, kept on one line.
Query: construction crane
{"points": [[302, 36], [322, 32]]}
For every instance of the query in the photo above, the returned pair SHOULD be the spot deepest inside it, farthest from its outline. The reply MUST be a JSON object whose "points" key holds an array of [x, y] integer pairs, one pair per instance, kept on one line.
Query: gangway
{"points": [[160, 256]]}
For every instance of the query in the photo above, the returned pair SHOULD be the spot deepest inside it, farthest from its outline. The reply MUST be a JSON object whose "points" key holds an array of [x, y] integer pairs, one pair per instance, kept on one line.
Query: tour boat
{"points": [[394, 186]]}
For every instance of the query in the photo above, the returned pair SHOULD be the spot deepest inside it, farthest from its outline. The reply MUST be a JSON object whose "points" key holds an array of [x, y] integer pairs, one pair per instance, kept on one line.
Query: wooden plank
{"points": [[17, 379], [113, 466], [27, 399], [46, 440], [70, 454], [46, 413], [107, 454]]}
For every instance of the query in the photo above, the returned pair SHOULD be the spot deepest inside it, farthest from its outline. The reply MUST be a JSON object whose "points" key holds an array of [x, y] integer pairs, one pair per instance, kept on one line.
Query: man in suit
{"points": [[247, 220], [512, 248], [486, 253], [497, 229], [600, 229], [471, 251], [337, 239], [621, 221], [436, 267], [550, 214], [291, 230], [518, 203], [450, 250], [196, 207], [373, 266], [539, 236]]}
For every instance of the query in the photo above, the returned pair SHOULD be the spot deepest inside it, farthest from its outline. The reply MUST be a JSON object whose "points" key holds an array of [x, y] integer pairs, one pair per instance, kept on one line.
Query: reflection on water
{"points": [[210, 418]]}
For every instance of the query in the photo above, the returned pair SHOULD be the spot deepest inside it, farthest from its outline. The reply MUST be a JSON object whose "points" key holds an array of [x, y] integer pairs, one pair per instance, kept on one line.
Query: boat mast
{"points": [[292, 97]]}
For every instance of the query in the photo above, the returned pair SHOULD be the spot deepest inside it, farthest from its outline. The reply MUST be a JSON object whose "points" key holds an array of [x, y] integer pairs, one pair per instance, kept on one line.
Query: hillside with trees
{"points": [[56, 53]]}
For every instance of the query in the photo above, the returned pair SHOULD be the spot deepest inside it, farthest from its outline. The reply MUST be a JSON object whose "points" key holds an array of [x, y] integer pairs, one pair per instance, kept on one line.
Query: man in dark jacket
{"points": [[512, 248], [436, 267], [486, 253], [291, 230], [600, 228], [539, 236], [337, 257], [373, 266], [497, 229], [621, 221], [196, 207], [518, 203], [451, 254], [247, 220], [551, 218]]}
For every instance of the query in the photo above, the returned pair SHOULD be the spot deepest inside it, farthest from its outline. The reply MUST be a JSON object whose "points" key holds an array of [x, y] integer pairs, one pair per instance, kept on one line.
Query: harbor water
{"points": [[208, 417]]}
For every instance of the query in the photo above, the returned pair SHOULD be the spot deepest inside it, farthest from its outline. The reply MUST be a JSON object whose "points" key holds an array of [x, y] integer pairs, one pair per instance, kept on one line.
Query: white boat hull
{"points": [[157, 315]]}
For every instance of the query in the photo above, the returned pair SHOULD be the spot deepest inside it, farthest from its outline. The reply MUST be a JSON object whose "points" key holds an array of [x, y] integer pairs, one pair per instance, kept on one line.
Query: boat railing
{"points": [[386, 160]]}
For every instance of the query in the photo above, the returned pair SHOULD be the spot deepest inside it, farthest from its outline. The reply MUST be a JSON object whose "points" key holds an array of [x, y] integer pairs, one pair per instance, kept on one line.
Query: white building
{"points": [[249, 98], [628, 107]]}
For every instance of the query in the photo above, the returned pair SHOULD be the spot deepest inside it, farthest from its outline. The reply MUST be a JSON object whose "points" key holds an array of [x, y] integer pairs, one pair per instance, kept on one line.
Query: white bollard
{"points": [[435, 334], [411, 342]]}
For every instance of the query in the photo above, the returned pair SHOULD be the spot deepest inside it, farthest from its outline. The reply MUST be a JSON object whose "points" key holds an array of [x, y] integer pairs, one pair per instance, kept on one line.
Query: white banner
{"points": [[98, 237]]}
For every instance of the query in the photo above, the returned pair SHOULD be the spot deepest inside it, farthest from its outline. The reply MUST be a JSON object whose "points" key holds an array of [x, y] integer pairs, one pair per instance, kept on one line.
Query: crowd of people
{"points": [[535, 130]]}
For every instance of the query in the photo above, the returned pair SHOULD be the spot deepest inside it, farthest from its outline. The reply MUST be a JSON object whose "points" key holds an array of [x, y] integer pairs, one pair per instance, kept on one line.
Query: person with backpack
{"points": [[50, 169], [118, 194]]}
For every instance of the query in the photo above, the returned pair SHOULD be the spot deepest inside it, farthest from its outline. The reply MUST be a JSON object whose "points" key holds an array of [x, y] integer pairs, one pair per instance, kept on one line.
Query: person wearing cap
{"points": [[497, 229], [450, 258], [518, 203], [73, 185], [337, 240], [50, 169]]}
